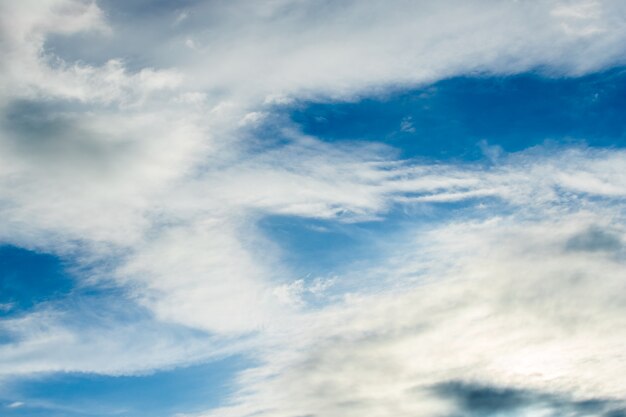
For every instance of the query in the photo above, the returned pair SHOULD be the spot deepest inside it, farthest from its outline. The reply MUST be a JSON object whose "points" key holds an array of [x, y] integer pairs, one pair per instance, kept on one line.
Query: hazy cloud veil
{"points": [[147, 144]]}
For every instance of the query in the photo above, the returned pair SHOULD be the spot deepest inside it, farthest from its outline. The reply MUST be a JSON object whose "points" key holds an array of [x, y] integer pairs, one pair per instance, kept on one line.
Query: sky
{"points": [[310, 208]]}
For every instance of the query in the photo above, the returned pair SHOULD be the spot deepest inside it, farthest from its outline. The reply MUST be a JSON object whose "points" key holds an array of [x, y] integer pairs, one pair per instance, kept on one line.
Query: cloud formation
{"points": [[132, 144], [503, 302]]}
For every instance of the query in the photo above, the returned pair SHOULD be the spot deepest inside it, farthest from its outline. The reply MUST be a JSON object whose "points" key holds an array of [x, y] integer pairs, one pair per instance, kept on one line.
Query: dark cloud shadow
{"points": [[474, 400], [594, 239]]}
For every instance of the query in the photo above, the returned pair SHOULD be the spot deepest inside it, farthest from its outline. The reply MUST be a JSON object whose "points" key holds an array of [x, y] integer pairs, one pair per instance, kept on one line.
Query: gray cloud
{"points": [[595, 239], [480, 400]]}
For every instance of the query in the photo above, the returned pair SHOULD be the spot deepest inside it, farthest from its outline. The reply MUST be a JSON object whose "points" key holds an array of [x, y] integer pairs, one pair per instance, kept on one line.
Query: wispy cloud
{"points": [[137, 153], [503, 302]]}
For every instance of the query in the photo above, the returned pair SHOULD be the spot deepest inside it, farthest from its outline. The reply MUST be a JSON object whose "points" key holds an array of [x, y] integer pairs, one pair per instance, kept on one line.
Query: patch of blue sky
{"points": [[182, 390], [31, 280], [321, 248], [452, 119], [28, 278]]}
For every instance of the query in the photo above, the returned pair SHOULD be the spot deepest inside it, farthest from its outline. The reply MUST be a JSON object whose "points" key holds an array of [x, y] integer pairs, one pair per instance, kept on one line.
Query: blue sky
{"points": [[29, 278], [305, 208], [450, 118], [185, 389]]}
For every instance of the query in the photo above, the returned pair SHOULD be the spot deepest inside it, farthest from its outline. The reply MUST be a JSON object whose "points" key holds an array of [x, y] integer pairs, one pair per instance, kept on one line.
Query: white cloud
{"points": [[323, 49], [145, 163], [500, 303], [29, 71], [102, 336]]}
